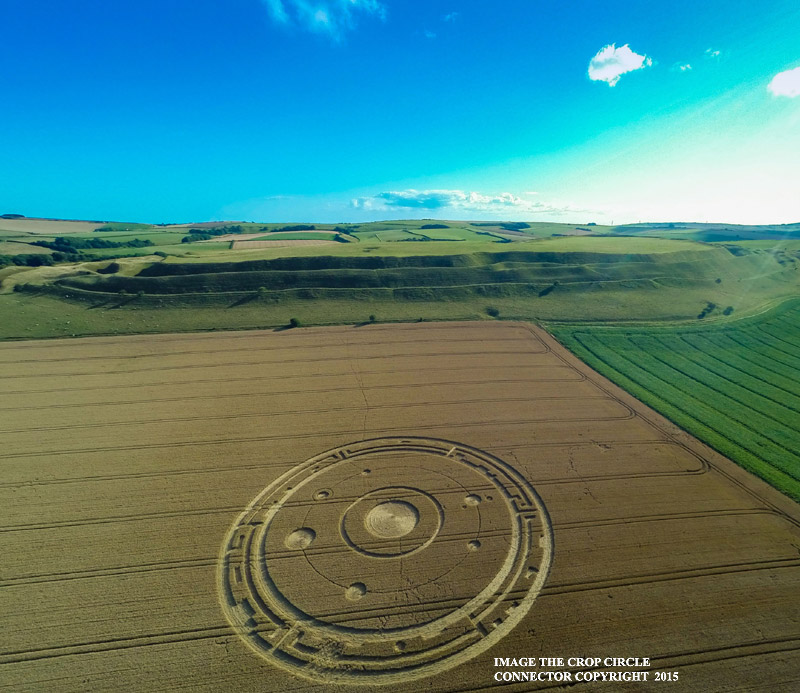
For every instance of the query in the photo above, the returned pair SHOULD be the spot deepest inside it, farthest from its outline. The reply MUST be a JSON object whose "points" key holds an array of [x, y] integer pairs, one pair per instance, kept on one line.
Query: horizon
{"points": [[371, 110], [452, 220]]}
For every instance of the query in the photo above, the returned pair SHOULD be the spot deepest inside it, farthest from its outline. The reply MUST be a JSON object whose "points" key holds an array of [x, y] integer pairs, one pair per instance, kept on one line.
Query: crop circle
{"points": [[346, 586]]}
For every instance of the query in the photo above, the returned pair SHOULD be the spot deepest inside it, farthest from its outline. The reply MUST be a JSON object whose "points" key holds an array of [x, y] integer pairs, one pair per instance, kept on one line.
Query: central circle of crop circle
{"points": [[392, 520]]}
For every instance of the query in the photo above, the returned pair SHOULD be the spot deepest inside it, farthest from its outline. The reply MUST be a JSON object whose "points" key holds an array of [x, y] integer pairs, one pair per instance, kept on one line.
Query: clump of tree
{"points": [[728, 310], [434, 226], [498, 239], [117, 226], [199, 236], [25, 260], [56, 258], [67, 244], [707, 310], [493, 311], [207, 234], [294, 322], [297, 227], [507, 225]]}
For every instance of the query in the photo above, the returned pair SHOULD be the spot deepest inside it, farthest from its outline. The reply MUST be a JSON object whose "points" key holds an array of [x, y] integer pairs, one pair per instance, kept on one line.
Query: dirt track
{"points": [[134, 535]]}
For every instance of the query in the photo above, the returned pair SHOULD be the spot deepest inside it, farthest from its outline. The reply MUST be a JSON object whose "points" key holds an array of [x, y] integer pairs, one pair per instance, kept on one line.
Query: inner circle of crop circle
{"points": [[390, 514], [310, 596], [392, 519]]}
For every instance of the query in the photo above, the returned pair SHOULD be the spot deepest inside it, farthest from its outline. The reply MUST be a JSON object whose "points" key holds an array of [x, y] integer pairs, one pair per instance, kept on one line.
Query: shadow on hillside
{"points": [[244, 300]]}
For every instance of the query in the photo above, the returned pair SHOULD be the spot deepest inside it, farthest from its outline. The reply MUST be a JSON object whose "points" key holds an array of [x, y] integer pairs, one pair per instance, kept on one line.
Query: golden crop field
{"points": [[325, 508]]}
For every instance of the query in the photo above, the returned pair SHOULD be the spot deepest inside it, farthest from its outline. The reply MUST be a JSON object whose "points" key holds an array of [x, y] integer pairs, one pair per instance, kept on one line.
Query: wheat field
{"points": [[332, 508]]}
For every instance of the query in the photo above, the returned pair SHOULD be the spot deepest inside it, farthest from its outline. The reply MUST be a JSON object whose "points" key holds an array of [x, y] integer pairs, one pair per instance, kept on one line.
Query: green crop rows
{"points": [[736, 387]]}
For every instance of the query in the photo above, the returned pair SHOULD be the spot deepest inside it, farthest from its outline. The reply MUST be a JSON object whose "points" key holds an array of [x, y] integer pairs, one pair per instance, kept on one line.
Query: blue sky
{"points": [[349, 110]]}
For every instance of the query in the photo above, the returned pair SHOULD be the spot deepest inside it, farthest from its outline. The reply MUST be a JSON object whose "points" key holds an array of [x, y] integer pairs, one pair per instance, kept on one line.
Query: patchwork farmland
{"points": [[289, 510]]}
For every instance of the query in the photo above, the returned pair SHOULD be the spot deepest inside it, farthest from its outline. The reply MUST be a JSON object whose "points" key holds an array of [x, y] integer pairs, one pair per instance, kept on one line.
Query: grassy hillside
{"points": [[586, 279], [534, 269], [736, 386]]}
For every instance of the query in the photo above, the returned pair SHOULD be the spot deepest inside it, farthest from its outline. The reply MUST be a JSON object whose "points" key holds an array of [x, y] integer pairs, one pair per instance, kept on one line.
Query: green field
{"points": [[734, 386], [15, 248]]}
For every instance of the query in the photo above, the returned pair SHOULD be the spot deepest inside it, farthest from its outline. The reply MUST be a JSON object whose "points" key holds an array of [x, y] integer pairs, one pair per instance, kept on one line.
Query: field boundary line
{"points": [[133, 371], [259, 378], [155, 355], [355, 432], [218, 631], [212, 560], [244, 333], [250, 467], [357, 408], [453, 383], [219, 511]]}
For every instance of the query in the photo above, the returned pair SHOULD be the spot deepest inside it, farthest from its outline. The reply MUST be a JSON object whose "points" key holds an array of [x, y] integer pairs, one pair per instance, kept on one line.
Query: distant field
{"points": [[714, 232], [48, 226], [736, 387], [791, 244], [16, 248]]}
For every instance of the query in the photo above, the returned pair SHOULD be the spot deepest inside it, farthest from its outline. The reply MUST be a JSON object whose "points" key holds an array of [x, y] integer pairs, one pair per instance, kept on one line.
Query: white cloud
{"points": [[333, 18], [713, 53], [458, 200], [611, 63], [429, 34], [685, 67], [786, 83], [451, 16], [277, 10]]}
